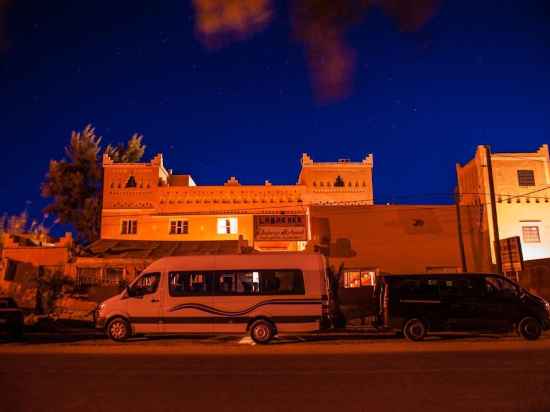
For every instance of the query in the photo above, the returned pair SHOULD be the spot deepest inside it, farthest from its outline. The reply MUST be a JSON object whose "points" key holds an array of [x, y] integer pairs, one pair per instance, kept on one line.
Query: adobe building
{"points": [[146, 201], [330, 209], [522, 192]]}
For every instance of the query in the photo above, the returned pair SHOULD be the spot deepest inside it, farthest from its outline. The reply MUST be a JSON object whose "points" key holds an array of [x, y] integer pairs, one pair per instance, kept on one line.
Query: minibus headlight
{"points": [[547, 306]]}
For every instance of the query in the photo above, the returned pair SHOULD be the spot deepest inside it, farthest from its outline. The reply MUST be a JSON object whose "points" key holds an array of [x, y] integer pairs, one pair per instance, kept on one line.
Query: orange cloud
{"points": [[320, 25], [222, 21]]}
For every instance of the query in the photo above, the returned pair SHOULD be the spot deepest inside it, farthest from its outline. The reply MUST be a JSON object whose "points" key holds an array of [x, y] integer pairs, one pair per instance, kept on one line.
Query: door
{"points": [[187, 305], [236, 299], [461, 297], [501, 304], [144, 303]]}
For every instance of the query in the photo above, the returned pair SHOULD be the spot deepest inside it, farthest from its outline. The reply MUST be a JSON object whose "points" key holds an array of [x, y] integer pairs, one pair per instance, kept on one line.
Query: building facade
{"points": [[522, 193], [146, 201]]}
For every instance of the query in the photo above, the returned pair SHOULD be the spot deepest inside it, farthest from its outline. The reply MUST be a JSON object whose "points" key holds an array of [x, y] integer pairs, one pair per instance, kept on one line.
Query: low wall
{"points": [[536, 277]]}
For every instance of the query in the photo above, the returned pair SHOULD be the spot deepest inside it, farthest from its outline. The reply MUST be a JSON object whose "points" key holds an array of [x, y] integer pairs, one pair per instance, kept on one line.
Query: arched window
{"points": [[339, 182], [131, 182]]}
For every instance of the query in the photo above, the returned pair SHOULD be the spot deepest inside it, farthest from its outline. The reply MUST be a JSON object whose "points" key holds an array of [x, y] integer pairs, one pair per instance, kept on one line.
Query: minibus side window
{"points": [[282, 282], [189, 283], [237, 282], [258, 282], [146, 285]]}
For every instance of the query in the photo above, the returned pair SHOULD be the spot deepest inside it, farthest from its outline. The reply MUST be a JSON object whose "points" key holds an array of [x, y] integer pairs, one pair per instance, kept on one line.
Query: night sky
{"points": [[478, 72]]}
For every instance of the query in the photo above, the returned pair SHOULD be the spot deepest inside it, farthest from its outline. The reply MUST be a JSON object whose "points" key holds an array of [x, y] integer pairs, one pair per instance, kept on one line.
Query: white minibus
{"points": [[260, 293]]}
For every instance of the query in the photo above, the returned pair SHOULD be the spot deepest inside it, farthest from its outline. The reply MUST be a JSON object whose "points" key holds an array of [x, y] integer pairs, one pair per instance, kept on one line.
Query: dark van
{"points": [[416, 304]]}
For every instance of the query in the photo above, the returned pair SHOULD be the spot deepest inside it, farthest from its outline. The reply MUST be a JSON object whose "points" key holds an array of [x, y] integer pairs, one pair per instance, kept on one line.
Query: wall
{"points": [[516, 205], [395, 238], [28, 258]]}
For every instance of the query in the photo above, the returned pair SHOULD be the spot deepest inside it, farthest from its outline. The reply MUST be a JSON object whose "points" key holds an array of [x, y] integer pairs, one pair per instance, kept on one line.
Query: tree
{"points": [[131, 153], [75, 184]]}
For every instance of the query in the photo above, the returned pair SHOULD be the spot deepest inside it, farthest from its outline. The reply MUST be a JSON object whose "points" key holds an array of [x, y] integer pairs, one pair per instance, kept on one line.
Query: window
{"points": [[179, 227], [113, 276], [464, 287], [526, 178], [7, 303], [131, 182], [227, 225], [11, 270], [339, 182], [500, 287], [129, 227], [419, 289], [242, 282], [190, 283], [281, 282], [358, 278], [86, 277], [530, 234], [146, 284], [237, 282]]}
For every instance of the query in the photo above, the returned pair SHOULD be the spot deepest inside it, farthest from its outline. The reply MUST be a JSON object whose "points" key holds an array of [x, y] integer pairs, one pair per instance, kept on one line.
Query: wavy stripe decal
{"points": [[214, 311]]}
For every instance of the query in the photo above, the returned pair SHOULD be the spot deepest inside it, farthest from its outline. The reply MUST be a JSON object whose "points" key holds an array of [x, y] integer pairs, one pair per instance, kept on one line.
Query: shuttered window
{"points": [[530, 234], [526, 178]]}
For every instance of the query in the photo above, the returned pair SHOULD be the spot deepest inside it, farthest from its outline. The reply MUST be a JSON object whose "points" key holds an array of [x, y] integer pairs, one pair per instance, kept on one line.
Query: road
{"points": [[344, 374]]}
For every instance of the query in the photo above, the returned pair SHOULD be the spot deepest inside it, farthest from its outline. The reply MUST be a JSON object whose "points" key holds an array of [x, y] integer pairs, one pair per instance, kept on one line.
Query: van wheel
{"points": [[119, 329], [415, 330], [262, 331], [529, 328]]}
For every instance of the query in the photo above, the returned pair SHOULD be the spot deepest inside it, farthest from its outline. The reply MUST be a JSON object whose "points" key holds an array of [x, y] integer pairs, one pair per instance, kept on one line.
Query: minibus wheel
{"points": [[119, 329], [415, 330], [529, 328], [262, 331]]}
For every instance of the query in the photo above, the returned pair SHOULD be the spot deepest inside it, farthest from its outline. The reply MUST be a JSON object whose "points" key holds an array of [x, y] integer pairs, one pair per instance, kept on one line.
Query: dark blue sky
{"points": [[479, 72]]}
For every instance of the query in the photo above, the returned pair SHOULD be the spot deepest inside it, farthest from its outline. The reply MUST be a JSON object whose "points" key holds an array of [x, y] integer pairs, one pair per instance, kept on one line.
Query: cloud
{"points": [[220, 22], [320, 25]]}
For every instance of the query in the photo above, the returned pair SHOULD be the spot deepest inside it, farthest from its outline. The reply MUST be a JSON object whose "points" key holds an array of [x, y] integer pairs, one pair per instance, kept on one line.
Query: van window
{"points": [[460, 287], [145, 285], [500, 287], [419, 289], [259, 282], [189, 283], [284, 282]]}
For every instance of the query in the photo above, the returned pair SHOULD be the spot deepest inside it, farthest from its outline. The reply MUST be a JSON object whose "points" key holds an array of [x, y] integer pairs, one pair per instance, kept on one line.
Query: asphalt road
{"points": [[341, 375]]}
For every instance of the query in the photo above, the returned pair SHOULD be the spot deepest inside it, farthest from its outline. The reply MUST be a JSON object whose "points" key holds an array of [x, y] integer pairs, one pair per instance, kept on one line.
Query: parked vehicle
{"points": [[263, 294], [11, 318], [417, 304]]}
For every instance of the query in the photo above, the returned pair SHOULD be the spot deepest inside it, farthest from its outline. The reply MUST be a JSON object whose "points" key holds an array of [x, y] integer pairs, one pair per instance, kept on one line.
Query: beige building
{"points": [[522, 188], [146, 201]]}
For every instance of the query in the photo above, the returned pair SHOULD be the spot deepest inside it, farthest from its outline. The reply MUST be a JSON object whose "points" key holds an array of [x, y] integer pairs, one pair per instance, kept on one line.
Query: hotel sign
{"points": [[280, 227]]}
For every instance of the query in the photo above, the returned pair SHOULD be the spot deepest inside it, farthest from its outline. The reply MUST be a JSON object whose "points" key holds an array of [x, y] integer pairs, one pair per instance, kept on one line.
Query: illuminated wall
{"points": [[146, 201], [522, 188]]}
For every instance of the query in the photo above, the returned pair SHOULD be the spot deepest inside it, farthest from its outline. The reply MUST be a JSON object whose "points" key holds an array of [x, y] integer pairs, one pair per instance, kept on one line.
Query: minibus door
{"points": [[143, 303]]}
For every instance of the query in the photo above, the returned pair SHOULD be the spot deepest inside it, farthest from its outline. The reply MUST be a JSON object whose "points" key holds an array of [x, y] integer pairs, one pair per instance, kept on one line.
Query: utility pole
{"points": [[493, 209], [459, 228]]}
